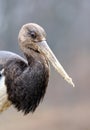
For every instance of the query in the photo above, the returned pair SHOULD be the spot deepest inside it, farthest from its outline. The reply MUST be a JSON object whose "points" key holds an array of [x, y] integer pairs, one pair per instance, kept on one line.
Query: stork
{"points": [[23, 82]]}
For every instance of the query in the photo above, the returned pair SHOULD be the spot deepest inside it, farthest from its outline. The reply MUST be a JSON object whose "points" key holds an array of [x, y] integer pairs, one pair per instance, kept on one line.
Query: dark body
{"points": [[26, 82]]}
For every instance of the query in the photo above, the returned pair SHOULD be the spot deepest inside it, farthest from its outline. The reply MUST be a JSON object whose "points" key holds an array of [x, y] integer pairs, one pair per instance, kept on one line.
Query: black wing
{"points": [[6, 55]]}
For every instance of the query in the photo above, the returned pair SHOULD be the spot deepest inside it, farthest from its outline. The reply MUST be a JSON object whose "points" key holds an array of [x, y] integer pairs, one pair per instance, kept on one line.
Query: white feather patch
{"points": [[4, 103]]}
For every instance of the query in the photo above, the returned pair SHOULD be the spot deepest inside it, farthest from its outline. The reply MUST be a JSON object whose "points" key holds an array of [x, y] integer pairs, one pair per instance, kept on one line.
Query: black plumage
{"points": [[26, 85]]}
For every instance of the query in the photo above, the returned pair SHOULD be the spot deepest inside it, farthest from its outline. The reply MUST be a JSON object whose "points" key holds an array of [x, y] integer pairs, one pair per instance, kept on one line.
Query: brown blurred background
{"points": [[67, 23]]}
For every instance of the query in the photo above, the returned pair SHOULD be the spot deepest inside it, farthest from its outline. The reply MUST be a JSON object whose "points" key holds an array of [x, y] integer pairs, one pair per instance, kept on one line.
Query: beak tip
{"points": [[69, 80], [73, 84]]}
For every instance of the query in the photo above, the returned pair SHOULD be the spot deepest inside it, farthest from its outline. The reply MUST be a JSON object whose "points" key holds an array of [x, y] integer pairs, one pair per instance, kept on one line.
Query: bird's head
{"points": [[33, 37]]}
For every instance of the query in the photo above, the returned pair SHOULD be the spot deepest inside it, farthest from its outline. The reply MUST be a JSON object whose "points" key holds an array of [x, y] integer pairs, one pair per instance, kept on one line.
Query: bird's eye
{"points": [[32, 34]]}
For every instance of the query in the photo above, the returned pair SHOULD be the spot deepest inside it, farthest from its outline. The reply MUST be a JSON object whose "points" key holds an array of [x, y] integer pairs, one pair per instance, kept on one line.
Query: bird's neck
{"points": [[33, 57]]}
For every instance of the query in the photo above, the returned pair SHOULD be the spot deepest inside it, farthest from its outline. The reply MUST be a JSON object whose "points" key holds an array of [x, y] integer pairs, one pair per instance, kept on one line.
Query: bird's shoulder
{"points": [[6, 56], [11, 63]]}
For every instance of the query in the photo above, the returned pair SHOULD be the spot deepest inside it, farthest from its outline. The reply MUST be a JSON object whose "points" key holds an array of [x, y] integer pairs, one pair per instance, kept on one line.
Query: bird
{"points": [[23, 81]]}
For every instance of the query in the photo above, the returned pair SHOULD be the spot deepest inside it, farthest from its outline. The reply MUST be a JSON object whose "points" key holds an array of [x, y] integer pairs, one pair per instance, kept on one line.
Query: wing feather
{"points": [[4, 103], [4, 57]]}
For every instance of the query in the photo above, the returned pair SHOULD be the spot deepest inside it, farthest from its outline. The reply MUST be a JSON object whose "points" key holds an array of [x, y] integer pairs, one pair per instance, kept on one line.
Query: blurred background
{"points": [[67, 23]]}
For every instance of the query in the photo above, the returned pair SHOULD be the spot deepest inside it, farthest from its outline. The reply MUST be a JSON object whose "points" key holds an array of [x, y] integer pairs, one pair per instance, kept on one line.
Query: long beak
{"points": [[44, 48]]}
